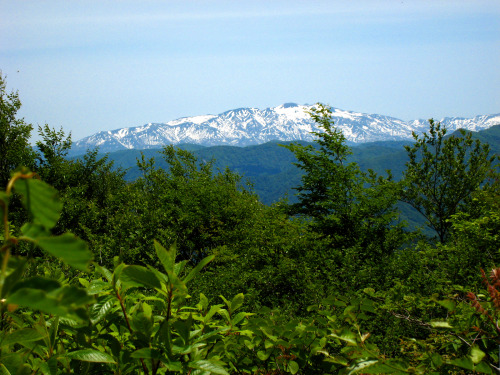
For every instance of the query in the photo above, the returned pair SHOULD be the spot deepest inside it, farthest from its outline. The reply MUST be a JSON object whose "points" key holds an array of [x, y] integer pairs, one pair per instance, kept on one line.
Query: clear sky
{"points": [[99, 65]]}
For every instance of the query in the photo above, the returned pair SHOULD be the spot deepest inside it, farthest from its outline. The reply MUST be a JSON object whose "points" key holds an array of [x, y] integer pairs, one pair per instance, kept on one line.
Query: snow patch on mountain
{"points": [[249, 126]]}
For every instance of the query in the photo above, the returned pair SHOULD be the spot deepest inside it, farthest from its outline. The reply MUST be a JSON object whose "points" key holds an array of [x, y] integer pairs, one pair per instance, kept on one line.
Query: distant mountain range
{"points": [[251, 126]]}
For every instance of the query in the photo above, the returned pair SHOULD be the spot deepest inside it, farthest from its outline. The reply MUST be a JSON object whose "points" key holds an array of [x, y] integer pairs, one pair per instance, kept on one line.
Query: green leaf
{"points": [[464, 362], [46, 295], [34, 231], [38, 282], [183, 328], [96, 286], [41, 201], [69, 249], [91, 355], [237, 302], [179, 267], [99, 309], [167, 257], [17, 265], [198, 268], [203, 302], [139, 276], [208, 366], [293, 367], [441, 324], [213, 310], [334, 358], [3, 370], [177, 283], [367, 305], [54, 327], [369, 291], [142, 325], [263, 355], [228, 304], [239, 317], [45, 368], [346, 336], [203, 338], [21, 336], [448, 304], [363, 365], [105, 272], [483, 368], [37, 299], [385, 368], [476, 354], [146, 353]]}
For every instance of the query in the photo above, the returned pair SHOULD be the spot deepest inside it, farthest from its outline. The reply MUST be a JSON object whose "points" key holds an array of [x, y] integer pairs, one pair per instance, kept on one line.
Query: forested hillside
{"points": [[269, 167], [183, 269]]}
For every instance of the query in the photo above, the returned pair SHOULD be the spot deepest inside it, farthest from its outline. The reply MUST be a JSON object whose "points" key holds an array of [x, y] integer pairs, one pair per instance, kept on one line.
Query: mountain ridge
{"points": [[252, 126]]}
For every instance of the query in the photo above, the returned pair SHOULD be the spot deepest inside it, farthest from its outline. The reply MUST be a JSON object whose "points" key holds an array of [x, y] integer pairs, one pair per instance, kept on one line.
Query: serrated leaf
{"points": [[91, 355], [139, 276], [41, 201], [99, 309], [70, 249], [96, 286], [105, 272]]}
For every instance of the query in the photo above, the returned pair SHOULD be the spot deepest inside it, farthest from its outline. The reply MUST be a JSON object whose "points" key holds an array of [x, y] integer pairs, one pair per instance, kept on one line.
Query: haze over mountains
{"points": [[252, 126]]}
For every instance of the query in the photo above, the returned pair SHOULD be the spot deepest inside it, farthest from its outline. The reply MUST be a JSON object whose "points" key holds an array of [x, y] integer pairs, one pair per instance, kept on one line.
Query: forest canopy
{"points": [[185, 270]]}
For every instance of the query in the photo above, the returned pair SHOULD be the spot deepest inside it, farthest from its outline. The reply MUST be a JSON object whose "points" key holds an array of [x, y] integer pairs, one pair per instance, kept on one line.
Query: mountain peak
{"points": [[252, 126]]}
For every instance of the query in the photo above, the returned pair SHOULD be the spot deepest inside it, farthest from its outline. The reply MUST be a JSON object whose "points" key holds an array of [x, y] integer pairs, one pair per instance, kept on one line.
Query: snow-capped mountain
{"points": [[249, 126]]}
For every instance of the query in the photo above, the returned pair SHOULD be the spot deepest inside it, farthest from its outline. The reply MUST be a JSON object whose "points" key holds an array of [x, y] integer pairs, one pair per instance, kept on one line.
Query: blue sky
{"points": [[99, 65]]}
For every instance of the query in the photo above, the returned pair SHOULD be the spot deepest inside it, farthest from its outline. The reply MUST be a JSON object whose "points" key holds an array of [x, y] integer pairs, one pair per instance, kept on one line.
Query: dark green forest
{"points": [[302, 258]]}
